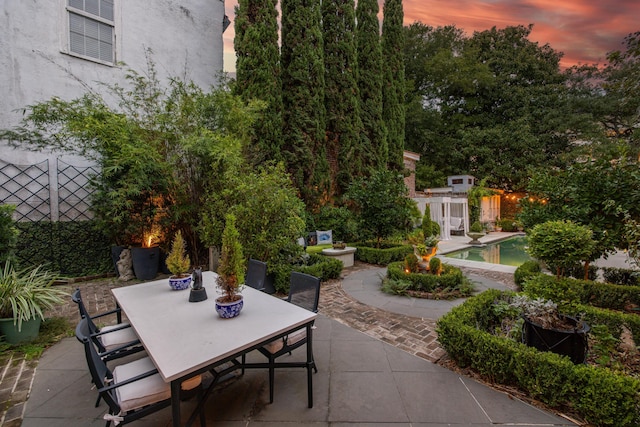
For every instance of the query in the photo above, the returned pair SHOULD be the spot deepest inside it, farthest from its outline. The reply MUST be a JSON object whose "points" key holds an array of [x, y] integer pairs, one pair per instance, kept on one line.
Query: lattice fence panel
{"points": [[74, 193], [27, 187]]}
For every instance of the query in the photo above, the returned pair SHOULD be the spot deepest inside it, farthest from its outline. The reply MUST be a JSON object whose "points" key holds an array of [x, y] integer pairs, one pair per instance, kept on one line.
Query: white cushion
{"points": [[116, 338], [324, 237], [147, 390], [456, 222], [277, 345], [143, 392]]}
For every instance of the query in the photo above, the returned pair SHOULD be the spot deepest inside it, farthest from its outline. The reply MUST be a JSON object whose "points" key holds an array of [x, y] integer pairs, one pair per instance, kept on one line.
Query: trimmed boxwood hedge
{"points": [[604, 295], [387, 253], [317, 265], [451, 277], [601, 396]]}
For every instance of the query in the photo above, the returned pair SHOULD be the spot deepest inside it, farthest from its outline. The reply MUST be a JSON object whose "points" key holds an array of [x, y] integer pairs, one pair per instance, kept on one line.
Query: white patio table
{"points": [[185, 338]]}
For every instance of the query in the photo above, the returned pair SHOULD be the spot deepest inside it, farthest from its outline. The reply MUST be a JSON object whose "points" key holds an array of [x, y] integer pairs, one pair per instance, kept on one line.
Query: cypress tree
{"points": [[345, 152], [258, 73], [393, 85], [303, 98], [369, 53]]}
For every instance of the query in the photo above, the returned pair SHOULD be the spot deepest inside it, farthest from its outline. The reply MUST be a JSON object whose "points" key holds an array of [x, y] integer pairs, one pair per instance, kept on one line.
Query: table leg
{"points": [[310, 364], [175, 402]]}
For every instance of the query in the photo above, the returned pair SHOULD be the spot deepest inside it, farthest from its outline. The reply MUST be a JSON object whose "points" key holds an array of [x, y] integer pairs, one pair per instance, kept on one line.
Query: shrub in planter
{"points": [[411, 263], [435, 266], [451, 279]]}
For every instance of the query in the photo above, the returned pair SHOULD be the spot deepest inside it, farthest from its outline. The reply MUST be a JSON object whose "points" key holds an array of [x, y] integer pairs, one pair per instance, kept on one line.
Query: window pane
{"points": [[78, 4], [106, 9], [106, 52], [77, 43], [76, 23], [92, 7], [91, 28]]}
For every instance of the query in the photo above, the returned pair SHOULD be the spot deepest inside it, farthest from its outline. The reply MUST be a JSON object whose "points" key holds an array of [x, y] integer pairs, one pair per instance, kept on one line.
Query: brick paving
{"points": [[414, 335]]}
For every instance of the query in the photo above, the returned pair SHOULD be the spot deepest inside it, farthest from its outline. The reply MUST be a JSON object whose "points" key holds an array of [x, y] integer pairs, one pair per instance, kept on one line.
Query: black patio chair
{"points": [[304, 291], [112, 341], [132, 390], [256, 274]]}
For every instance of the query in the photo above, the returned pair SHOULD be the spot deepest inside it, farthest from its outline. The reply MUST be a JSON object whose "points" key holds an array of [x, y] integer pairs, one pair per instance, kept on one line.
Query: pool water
{"points": [[506, 252]]}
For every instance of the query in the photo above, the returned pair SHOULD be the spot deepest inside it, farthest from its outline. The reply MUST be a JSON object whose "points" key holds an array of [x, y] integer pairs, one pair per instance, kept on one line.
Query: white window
{"points": [[91, 29]]}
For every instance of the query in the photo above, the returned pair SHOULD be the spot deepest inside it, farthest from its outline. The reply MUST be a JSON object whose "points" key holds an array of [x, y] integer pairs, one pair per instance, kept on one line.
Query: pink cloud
{"points": [[584, 30]]}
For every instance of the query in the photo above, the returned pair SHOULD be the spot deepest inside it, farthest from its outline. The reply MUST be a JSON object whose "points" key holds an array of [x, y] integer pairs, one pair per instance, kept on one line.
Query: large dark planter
{"points": [[145, 262], [28, 332], [571, 343]]}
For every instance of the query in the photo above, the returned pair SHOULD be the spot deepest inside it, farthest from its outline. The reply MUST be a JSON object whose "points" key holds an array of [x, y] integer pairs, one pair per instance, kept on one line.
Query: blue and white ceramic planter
{"points": [[180, 283], [227, 310]]}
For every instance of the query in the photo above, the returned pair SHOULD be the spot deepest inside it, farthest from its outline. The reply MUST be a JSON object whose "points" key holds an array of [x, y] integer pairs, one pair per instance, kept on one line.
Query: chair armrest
{"points": [[116, 311], [128, 381], [118, 328]]}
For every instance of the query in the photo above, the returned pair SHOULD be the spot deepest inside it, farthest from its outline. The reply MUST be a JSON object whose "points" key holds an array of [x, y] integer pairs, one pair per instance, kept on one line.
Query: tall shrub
{"points": [[346, 153], [370, 75], [394, 81], [302, 62], [258, 74]]}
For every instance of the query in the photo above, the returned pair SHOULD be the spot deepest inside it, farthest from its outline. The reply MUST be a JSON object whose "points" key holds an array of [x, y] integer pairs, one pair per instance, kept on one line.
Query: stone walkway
{"points": [[413, 335]]}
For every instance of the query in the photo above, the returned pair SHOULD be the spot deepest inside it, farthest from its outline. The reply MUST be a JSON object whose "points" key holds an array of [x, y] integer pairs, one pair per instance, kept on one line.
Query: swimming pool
{"points": [[506, 252]]}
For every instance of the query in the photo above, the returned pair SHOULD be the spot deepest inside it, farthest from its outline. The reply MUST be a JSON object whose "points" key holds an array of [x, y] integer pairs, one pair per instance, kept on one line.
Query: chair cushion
{"points": [[324, 237], [148, 390], [291, 339], [116, 338], [143, 392]]}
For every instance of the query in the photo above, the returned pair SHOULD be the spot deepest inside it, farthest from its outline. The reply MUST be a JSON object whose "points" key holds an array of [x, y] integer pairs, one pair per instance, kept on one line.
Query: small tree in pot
{"points": [[178, 263], [232, 268]]}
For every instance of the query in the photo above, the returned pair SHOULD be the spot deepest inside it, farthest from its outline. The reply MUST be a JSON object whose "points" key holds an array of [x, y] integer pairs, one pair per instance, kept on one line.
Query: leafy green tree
{"points": [[595, 193], [381, 202], [346, 152], [369, 54], [258, 74], [303, 99], [490, 105], [561, 243], [267, 210], [393, 89], [157, 150], [610, 96]]}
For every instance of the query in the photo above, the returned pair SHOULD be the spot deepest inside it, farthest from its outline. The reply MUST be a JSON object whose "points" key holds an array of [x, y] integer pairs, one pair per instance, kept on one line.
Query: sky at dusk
{"points": [[585, 30]]}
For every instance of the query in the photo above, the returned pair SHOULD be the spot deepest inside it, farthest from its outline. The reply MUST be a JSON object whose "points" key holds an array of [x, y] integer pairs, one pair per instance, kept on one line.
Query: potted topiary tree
{"points": [[24, 296], [178, 264], [561, 244], [230, 271]]}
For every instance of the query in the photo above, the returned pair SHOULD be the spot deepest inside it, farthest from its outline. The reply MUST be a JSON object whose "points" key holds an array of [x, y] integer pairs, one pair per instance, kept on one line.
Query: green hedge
{"points": [[604, 295], [384, 255], [526, 270], [621, 276], [599, 395], [317, 265], [72, 248], [451, 277]]}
